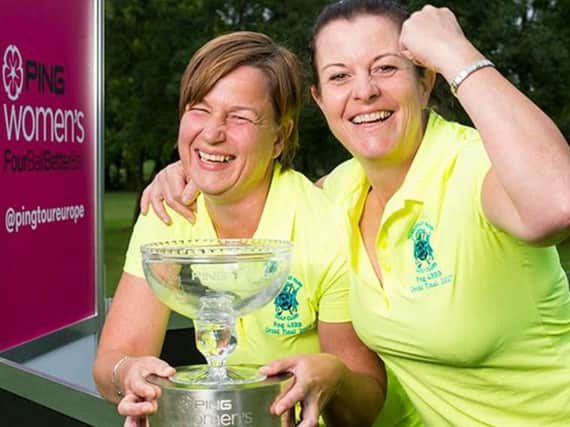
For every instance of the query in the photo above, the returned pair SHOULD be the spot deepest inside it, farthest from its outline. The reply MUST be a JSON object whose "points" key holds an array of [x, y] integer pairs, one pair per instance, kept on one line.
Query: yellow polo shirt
{"points": [[319, 282], [474, 323]]}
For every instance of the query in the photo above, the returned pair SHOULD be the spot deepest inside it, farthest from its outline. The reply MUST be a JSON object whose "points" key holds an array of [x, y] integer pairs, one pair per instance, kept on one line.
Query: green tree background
{"points": [[149, 42]]}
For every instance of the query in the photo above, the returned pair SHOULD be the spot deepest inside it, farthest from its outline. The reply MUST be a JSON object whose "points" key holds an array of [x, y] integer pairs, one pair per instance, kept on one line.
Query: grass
{"points": [[118, 210]]}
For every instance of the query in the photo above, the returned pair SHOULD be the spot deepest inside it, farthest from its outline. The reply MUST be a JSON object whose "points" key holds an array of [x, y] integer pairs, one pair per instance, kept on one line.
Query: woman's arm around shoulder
{"points": [[170, 186]]}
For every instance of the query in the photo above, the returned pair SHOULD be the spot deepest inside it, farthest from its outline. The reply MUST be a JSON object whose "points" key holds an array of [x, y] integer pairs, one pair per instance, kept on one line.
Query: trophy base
{"points": [[239, 405], [231, 374]]}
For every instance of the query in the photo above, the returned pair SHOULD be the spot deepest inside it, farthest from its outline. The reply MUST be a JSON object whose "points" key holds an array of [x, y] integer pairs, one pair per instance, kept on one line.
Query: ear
{"points": [[283, 135], [316, 96], [427, 81]]}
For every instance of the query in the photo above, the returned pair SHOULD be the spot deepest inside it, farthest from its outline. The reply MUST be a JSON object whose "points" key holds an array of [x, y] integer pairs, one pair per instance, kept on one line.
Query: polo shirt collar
{"points": [[277, 219], [422, 170], [203, 228], [426, 161]]}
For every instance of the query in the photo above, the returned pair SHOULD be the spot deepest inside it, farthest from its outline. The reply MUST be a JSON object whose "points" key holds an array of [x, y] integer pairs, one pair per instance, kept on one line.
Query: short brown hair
{"points": [[225, 53]]}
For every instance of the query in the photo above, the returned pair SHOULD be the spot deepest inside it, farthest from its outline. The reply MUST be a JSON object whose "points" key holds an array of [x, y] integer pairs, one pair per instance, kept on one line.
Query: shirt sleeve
{"points": [[148, 228], [472, 167], [336, 281]]}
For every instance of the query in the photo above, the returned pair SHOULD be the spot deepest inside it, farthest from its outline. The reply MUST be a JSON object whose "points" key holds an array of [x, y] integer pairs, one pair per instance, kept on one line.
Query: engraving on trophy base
{"points": [[239, 405]]}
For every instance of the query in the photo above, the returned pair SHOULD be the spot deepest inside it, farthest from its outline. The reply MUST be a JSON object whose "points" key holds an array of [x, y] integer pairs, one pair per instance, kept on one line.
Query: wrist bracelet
{"points": [[454, 85], [114, 373]]}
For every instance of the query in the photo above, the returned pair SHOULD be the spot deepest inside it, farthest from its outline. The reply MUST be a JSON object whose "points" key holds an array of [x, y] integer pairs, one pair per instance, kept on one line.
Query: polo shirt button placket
{"points": [[384, 262]]}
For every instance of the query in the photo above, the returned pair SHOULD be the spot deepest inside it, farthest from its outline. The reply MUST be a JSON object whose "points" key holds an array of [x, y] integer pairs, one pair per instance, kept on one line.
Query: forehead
{"points": [[343, 40], [246, 83]]}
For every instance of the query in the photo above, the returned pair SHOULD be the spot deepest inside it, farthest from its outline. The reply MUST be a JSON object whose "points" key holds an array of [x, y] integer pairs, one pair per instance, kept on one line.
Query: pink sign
{"points": [[47, 167]]}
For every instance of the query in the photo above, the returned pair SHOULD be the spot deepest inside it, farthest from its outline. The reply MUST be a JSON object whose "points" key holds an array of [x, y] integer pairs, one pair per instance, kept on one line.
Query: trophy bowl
{"points": [[212, 282]]}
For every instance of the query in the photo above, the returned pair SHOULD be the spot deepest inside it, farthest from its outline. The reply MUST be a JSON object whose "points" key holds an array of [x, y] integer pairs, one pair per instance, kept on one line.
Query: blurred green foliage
{"points": [[149, 42]]}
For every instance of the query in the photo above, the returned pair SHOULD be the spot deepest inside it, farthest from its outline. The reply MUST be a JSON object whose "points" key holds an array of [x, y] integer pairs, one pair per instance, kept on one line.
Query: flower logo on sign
{"points": [[12, 72]]}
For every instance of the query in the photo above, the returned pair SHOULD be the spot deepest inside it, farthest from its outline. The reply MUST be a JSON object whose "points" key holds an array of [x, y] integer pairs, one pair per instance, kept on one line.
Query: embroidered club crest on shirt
{"points": [[428, 273], [286, 304], [287, 319], [423, 252]]}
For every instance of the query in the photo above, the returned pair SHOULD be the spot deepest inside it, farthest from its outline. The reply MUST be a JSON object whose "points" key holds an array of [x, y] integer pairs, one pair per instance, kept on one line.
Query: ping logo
{"points": [[19, 74], [39, 119], [12, 72]]}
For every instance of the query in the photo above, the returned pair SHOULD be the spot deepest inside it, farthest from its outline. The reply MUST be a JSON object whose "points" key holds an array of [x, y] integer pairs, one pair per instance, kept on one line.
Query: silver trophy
{"points": [[213, 282]]}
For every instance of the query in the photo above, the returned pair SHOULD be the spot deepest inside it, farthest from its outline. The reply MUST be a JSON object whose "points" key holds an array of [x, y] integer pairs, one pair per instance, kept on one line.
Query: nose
{"points": [[366, 88], [214, 130]]}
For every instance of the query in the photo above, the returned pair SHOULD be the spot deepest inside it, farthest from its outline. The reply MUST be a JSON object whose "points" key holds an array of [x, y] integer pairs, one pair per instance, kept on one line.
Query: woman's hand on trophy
{"points": [[317, 377], [170, 185], [132, 421], [139, 395], [134, 407]]}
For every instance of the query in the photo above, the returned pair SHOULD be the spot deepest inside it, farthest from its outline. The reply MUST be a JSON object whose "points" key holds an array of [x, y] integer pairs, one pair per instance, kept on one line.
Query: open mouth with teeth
{"points": [[378, 116], [214, 158]]}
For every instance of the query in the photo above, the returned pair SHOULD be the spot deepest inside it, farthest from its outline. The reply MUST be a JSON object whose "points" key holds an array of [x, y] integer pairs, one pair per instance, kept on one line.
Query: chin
{"points": [[213, 190], [207, 188], [372, 148]]}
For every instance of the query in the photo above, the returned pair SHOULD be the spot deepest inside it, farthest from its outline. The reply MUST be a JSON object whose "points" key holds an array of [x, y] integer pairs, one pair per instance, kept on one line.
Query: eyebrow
{"points": [[233, 108], [242, 108], [376, 58]]}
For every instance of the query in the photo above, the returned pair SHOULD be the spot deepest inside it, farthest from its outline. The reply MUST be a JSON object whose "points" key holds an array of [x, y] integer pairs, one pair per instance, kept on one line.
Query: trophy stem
{"points": [[215, 334], [217, 371]]}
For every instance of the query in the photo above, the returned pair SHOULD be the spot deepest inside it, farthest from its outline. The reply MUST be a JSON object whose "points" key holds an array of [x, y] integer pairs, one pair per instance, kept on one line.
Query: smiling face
{"points": [[228, 140], [371, 96]]}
